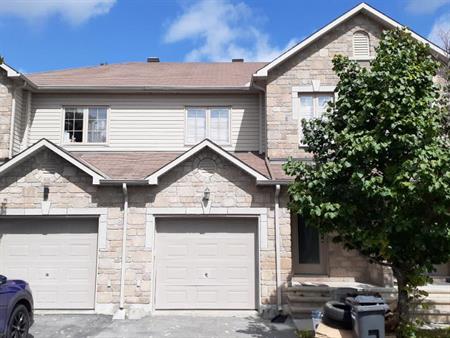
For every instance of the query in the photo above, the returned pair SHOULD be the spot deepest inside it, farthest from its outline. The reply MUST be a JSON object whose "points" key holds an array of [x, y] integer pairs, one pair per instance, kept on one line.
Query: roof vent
{"points": [[153, 59], [237, 60]]}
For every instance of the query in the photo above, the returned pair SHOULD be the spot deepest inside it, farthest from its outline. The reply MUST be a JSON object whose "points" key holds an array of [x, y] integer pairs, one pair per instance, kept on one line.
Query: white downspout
{"points": [[124, 245], [277, 245], [260, 124]]}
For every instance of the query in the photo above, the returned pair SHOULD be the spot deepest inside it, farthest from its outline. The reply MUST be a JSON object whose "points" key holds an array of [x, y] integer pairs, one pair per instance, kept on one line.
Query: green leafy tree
{"points": [[380, 179]]}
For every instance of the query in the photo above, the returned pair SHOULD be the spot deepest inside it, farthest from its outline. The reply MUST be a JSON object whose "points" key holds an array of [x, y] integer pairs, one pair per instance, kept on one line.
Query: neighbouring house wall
{"points": [[19, 119], [5, 115], [22, 188], [182, 187], [147, 121], [312, 63]]}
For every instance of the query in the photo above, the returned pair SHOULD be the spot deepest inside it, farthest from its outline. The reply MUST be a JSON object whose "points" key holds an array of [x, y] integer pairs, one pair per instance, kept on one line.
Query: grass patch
{"points": [[436, 333], [305, 334]]}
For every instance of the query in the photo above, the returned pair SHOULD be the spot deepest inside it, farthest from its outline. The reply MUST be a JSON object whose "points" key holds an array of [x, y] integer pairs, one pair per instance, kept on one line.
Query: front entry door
{"points": [[309, 249]]}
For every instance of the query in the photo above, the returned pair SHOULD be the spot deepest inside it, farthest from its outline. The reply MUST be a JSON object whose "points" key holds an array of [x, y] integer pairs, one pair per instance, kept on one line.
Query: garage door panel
{"points": [[205, 263], [58, 261], [206, 297]]}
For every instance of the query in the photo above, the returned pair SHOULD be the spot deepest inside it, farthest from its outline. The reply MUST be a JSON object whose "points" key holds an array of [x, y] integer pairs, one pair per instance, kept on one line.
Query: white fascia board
{"points": [[153, 178], [45, 143], [361, 7], [10, 72]]}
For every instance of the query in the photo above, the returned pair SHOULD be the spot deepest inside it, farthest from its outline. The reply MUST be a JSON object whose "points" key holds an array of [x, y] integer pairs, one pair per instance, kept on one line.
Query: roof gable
{"points": [[43, 143], [10, 72], [361, 8], [153, 178]]}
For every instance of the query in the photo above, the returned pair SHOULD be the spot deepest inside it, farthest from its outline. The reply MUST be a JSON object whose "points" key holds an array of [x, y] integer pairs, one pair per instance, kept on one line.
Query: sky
{"points": [[41, 35]]}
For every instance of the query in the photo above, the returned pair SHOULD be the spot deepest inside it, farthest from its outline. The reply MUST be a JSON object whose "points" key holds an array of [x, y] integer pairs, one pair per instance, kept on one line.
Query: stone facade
{"points": [[182, 188], [313, 63], [5, 115], [21, 190], [347, 264]]}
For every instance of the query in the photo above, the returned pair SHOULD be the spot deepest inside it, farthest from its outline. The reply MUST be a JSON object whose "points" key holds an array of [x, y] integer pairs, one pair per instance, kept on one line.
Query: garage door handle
{"points": [[206, 275]]}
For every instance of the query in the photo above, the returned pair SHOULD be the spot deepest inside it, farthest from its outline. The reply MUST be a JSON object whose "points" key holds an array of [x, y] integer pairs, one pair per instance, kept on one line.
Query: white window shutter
{"points": [[361, 46]]}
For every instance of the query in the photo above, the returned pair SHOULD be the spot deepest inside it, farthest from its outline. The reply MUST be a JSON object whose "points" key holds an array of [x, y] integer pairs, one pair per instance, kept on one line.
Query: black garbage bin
{"points": [[367, 314]]}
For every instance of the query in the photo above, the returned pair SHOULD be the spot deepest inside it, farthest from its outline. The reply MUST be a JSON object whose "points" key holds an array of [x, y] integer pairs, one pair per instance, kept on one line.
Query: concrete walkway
{"points": [[183, 326]]}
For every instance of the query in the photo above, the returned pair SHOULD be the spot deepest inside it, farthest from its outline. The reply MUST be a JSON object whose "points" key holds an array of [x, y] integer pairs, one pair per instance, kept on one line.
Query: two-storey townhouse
{"points": [[153, 185]]}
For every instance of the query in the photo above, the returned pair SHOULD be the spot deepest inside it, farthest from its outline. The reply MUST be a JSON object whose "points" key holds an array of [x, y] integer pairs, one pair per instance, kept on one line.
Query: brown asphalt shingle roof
{"points": [[153, 74], [276, 169], [138, 165]]}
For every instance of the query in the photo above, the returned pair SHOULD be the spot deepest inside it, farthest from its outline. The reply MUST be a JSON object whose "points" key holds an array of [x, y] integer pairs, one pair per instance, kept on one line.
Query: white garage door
{"points": [[56, 256], [205, 263]]}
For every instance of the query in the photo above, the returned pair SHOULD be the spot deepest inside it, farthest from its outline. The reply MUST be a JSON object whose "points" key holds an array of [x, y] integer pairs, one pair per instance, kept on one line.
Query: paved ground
{"points": [[182, 326]]}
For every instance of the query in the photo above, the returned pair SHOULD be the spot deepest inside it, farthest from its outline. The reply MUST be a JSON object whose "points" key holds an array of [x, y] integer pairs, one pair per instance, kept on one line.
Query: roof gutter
{"points": [[159, 89], [121, 182], [274, 182]]}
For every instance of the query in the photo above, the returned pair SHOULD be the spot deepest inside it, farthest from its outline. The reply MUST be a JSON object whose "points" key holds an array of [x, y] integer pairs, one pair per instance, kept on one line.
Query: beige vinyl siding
{"points": [[18, 120], [147, 121]]}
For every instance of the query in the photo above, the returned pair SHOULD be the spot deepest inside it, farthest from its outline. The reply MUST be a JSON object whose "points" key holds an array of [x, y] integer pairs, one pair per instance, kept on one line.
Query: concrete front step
{"points": [[433, 315], [302, 312], [317, 279], [302, 299], [294, 298], [443, 306]]}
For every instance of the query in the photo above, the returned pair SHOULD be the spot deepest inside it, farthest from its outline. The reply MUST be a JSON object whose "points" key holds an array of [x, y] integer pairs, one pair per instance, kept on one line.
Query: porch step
{"points": [[441, 279], [302, 299], [310, 289], [302, 312], [433, 315], [321, 279], [294, 298]]}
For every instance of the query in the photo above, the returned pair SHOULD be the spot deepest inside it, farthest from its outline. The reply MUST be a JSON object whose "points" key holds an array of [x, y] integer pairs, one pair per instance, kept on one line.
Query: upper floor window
{"points": [[361, 45], [85, 124], [312, 106], [212, 123]]}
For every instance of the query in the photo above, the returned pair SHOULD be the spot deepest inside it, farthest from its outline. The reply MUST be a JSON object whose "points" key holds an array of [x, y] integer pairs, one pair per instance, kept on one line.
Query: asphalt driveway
{"points": [[183, 326]]}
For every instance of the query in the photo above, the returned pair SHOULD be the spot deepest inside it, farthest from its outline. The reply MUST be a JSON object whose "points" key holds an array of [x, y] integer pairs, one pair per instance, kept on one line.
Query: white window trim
{"points": [[362, 58], [262, 236], [207, 124], [315, 100], [314, 88], [85, 125]]}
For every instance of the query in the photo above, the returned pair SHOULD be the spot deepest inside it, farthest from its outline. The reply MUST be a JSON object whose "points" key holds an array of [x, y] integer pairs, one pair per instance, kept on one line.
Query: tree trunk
{"points": [[403, 305]]}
